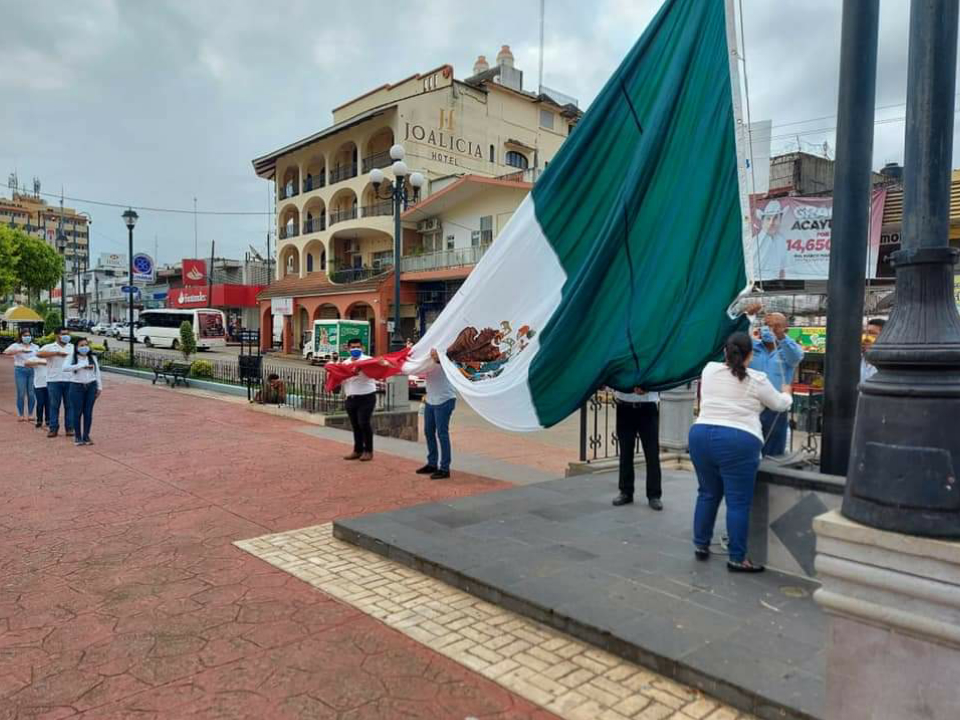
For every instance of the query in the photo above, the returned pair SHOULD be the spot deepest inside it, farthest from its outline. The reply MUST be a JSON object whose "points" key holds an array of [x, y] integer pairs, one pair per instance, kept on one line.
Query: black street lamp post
{"points": [[906, 449], [400, 196], [130, 218]]}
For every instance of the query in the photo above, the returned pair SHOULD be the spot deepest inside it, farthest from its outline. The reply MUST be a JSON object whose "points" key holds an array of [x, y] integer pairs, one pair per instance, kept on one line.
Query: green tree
{"points": [[188, 343], [39, 266], [9, 259], [52, 320]]}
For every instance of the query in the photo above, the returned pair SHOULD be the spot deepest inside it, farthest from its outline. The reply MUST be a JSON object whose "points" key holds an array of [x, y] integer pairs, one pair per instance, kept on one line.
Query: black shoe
{"points": [[440, 475], [702, 553], [622, 499], [744, 566], [427, 470], [655, 503]]}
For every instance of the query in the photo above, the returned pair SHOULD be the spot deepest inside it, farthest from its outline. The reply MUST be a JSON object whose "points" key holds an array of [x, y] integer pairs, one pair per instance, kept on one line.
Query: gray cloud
{"points": [[155, 103]]}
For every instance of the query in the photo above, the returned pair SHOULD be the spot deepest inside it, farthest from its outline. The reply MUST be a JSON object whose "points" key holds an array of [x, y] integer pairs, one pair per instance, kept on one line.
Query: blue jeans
{"points": [[24, 381], [436, 426], [82, 398], [774, 426], [726, 460], [58, 391], [43, 405]]}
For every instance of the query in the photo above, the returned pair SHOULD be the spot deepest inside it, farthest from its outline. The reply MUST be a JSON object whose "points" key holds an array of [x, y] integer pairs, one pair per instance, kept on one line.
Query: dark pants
{"points": [[58, 391], [82, 398], [360, 411], [726, 460], [641, 419], [774, 426], [436, 426], [43, 406]]}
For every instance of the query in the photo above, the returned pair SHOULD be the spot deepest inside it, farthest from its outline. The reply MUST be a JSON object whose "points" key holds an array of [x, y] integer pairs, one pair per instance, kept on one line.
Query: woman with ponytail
{"points": [[725, 445]]}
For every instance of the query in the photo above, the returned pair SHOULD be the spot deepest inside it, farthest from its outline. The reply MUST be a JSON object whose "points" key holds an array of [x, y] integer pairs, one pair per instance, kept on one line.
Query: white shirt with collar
{"points": [[20, 359], [635, 397], [85, 370], [55, 363], [360, 384]]}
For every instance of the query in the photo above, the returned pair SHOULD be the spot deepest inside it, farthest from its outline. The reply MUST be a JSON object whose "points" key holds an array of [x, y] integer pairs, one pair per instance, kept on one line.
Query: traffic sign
{"points": [[130, 289], [143, 268]]}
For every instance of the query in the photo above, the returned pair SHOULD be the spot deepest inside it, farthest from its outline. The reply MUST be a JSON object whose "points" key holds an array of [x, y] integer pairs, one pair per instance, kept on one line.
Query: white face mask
{"points": [[65, 339], [27, 339]]}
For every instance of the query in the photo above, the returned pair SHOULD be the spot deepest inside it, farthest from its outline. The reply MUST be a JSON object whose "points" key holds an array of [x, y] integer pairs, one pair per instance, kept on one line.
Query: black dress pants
{"points": [[360, 411], [641, 419]]}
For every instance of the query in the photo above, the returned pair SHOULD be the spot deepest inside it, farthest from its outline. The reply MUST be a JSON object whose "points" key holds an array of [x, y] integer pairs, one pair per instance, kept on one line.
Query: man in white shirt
{"points": [[870, 335], [440, 403], [361, 400], [58, 382], [638, 414]]}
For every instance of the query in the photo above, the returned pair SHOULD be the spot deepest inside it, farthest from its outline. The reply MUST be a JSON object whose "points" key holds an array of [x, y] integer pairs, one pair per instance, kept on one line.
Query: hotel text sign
{"points": [[445, 139]]}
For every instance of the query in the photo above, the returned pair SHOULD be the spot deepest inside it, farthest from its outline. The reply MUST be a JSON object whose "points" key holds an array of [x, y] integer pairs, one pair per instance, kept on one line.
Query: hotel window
{"points": [[486, 229], [309, 263], [546, 119], [382, 259], [493, 154], [516, 159], [451, 241]]}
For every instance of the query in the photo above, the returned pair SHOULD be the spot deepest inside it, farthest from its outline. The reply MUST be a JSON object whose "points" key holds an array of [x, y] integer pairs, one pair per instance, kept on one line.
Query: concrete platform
{"points": [[624, 579]]}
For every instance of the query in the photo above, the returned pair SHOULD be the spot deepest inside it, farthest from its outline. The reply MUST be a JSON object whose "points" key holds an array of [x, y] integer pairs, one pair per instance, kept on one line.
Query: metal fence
{"points": [[303, 387]]}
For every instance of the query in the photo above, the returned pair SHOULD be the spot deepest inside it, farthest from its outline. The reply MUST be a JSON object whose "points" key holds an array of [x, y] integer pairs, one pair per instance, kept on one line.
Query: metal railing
{"points": [[342, 215], [458, 257], [377, 209], [314, 183], [288, 192], [344, 172], [289, 232], [317, 224], [351, 275], [377, 160], [527, 175]]}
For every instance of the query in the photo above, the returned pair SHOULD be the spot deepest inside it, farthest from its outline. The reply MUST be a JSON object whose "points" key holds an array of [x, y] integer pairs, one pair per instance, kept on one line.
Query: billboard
{"points": [[112, 261], [791, 236], [194, 272]]}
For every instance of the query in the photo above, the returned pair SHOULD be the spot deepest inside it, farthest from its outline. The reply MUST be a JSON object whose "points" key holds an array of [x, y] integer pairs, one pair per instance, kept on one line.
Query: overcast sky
{"points": [[154, 102]]}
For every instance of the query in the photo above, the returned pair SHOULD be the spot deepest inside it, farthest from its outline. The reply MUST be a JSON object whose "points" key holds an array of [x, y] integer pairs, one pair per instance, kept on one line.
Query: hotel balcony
{"points": [[312, 225], [337, 216], [314, 182], [443, 259], [343, 172], [288, 191], [288, 231], [377, 209], [377, 160]]}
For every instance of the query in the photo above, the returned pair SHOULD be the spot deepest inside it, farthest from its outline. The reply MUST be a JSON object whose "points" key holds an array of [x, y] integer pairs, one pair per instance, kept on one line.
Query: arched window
{"points": [[309, 262], [493, 154], [517, 160]]}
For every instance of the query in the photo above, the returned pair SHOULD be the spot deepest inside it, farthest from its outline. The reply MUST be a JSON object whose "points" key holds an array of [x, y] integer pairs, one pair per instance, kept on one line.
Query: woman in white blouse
{"points": [[725, 444], [85, 372], [22, 352]]}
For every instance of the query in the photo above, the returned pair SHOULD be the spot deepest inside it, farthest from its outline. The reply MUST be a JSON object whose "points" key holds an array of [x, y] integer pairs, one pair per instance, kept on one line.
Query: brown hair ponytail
{"points": [[736, 350]]}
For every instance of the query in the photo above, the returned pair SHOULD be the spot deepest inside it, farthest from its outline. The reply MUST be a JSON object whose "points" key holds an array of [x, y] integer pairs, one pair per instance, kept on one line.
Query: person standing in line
{"points": [[777, 355], [725, 444], [638, 414], [85, 388], [39, 366], [361, 400], [58, 383], [870, 335], [440, 403], [23, 351]]}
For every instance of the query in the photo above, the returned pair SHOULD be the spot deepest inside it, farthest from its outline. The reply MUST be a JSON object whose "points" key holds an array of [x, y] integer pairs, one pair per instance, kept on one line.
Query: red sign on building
{"points": [[224, 296], [194, 272]]}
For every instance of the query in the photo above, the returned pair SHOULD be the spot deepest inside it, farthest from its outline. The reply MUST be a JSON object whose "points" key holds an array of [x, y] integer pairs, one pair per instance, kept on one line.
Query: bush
{"points": [[117, 358], [51, 321], [188, 343], [46, 339], [201, 369]]}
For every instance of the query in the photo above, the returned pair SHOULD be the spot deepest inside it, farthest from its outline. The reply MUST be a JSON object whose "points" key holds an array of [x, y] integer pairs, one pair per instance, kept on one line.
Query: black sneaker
{"points": [[622, 499], [440, 475], [427, 470]]}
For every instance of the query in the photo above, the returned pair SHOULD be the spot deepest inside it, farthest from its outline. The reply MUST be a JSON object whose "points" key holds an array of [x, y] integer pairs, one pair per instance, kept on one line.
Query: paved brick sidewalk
{"points": [[121, 595]]}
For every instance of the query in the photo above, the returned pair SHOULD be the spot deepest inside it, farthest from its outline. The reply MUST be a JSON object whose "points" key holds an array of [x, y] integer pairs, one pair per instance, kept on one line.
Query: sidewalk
{"points": [[121, 594]]}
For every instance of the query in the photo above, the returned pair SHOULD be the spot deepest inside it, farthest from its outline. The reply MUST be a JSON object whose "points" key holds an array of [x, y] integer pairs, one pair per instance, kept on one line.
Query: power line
{"points": [[175, 211]]}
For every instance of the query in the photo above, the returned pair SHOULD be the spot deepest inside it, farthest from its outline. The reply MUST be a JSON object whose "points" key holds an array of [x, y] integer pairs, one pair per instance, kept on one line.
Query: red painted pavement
{"points": [[122, 597]]}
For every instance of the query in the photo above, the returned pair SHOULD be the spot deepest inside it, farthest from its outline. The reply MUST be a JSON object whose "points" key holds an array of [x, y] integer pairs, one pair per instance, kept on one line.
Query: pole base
{"points": [[906, 453]]}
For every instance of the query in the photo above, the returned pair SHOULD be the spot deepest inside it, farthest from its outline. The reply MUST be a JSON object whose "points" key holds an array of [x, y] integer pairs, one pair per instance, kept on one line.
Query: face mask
{"points": [[83, 350], [64, 339], [27, 339], [355, 353], [766, 335]]}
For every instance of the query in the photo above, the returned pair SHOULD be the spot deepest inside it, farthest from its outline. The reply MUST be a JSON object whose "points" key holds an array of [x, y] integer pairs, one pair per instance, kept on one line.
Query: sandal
{"points": [[744, 566], [702, 553]]}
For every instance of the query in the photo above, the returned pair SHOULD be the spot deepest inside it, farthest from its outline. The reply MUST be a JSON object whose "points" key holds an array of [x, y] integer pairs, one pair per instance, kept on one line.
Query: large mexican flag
{"points": [[620, 266]]}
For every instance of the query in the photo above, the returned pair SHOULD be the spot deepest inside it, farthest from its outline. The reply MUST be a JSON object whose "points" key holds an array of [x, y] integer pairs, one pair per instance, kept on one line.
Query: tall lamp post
{"points": [[906, 449], [400, 196], [130, 218]]}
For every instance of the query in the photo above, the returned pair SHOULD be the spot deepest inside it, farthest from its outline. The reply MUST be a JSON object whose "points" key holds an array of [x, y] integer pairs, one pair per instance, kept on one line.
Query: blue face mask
{"points": [[27, 339], [766, 335], [355, 353], [64, 339], [83, 350]]}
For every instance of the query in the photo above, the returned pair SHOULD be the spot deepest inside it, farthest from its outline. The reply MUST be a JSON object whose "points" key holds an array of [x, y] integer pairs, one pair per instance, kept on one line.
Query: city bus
{"points": [[161, 328]]}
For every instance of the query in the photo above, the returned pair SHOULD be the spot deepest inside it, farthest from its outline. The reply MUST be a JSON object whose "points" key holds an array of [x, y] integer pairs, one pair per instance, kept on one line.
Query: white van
{"points": [[161, 328]]}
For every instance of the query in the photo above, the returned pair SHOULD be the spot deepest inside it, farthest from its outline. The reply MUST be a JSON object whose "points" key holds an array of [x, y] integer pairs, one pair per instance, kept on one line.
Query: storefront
{"points": [[238, 302]]}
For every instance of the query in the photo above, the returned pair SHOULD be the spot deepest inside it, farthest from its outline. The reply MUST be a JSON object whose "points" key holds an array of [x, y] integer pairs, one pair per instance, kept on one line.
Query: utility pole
{"points": [[196, 251], [213, 244], [62, 243]]}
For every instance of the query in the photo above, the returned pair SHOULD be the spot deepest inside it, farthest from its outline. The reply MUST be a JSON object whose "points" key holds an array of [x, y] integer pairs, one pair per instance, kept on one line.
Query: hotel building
{"points": [[479, 142]]}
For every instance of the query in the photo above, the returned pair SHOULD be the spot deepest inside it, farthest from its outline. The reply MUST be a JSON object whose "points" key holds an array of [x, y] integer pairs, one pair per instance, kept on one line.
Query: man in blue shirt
{"points": [[777, 355]]}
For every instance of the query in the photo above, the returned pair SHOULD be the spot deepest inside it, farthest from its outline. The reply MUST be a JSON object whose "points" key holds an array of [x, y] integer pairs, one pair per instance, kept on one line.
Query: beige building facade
{"points": [[331, 219]]}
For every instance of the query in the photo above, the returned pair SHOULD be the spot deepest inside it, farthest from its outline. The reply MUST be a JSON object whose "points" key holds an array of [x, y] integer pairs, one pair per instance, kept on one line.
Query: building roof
{"points": [[457, 192], [317, 283], [893, 204], [266, 165]]}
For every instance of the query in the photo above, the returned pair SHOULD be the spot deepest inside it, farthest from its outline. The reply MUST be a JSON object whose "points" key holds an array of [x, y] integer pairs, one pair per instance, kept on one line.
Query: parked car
{"points": [[417, 385], [75, 324], [100, 328]]}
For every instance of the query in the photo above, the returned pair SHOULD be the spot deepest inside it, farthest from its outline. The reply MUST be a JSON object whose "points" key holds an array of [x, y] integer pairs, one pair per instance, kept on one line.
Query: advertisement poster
{"points": [[811, 339], [792, 236], [326, 341], [194, 272], [211, 324]]}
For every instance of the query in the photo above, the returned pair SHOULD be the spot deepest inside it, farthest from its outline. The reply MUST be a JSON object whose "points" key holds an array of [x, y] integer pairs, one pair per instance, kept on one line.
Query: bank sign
{"points": [[188, 297]]}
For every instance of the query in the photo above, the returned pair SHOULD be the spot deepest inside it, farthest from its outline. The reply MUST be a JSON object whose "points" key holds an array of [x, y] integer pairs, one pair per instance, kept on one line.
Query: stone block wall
{"points": [[400, 424]]}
